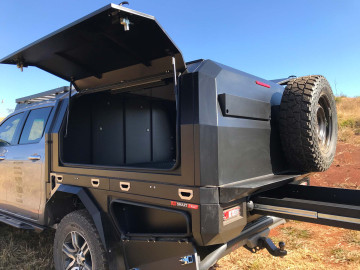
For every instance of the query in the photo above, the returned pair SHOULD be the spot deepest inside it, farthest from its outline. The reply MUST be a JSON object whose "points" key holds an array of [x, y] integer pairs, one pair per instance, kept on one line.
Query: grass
{"points": [[339, 255], [348, 110], [296, 233], [309, 246], [26, 250], [352, 237]]}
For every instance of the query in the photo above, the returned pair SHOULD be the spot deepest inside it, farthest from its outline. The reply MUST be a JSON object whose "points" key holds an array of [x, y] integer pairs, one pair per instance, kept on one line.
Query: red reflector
{"points": [[193, 206], [173, 203], [263, 84]]}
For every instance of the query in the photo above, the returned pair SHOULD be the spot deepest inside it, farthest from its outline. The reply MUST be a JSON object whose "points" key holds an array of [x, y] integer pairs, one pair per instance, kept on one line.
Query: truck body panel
{"points": [[159, 152], [123, 44]]}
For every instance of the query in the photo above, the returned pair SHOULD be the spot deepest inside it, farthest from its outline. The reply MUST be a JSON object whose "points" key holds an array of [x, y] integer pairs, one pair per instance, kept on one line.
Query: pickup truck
{"points": [[147, 162]]}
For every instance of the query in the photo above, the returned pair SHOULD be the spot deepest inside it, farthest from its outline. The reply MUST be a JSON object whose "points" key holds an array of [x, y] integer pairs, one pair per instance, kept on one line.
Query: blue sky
{"points": [[270, 39]]}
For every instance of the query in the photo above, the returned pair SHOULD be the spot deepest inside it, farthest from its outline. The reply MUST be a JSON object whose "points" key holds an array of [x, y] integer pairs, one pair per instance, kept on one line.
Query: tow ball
{"points": [[267, 243]]}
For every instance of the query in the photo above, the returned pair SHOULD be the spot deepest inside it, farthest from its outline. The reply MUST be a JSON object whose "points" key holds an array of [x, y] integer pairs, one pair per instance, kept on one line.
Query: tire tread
{"points": [[296, 124], [83, 217]]}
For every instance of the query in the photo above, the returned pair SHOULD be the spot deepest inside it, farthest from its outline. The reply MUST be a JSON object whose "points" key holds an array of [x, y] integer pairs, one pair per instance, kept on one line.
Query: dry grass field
{"points": [[309, 246], [349, 119], [25, 250]]}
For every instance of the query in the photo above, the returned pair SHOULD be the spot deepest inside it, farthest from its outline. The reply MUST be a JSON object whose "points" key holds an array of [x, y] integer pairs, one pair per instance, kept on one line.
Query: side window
{"points": [[8, 129], [35, 125]]}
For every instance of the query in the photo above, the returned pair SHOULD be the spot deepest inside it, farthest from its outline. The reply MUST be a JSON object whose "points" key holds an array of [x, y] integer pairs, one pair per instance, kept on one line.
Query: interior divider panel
{"points": [[108, 132], [138, 131]]}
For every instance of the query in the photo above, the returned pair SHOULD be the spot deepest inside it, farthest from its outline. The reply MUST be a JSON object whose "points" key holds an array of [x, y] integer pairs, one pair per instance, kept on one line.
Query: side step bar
{"points": [[321, 205], [20, 224]]}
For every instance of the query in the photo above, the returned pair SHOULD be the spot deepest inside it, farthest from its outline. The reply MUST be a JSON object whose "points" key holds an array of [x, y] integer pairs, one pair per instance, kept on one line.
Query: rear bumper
{"points": [[214, 229], [251, 233]]}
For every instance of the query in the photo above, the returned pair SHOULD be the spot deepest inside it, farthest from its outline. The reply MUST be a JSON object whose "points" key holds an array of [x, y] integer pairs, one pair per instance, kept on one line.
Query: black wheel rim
{"points": [[324, 123], [76, 252]]}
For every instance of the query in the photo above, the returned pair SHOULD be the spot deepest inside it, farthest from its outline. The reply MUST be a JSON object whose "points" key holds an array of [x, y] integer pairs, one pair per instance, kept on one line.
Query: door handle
{"points": [[34, 157], [2, 158]]}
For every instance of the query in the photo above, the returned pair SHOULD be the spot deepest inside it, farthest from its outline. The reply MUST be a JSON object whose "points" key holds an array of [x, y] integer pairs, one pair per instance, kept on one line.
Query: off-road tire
{"points": [[81, 222], [304, 148]]}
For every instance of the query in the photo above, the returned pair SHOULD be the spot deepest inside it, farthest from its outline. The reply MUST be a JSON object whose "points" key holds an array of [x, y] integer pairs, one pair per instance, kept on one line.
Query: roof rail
{"points": [[44, 96]]}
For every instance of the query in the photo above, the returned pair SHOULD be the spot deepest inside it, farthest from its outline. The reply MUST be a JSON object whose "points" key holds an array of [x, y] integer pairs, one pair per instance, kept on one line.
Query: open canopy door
{"points": [[111, 45]]}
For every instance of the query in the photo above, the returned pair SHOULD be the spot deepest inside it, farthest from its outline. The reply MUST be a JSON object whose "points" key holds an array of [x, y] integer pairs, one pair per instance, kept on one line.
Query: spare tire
{"points": [[308, 124]]}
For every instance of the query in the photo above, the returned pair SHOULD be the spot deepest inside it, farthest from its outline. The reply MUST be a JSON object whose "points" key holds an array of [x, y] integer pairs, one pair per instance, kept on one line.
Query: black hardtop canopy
{"points": [[111, 45]]}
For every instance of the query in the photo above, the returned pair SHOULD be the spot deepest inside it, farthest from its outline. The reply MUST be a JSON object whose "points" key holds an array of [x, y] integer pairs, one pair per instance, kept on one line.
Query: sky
{"points": [[269, 39]]}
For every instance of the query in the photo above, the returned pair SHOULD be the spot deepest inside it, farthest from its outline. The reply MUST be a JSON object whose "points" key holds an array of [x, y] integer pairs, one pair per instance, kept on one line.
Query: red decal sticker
{"points": [[263, 84], [185, 205], [193, 206]]}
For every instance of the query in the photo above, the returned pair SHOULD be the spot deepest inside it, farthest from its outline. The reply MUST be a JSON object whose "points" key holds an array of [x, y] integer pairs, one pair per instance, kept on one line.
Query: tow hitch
{"points": [[267, 243]]}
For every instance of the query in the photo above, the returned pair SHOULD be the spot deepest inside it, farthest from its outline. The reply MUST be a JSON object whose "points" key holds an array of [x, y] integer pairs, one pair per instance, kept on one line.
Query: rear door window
{"points": [[8, 129], [35, 125]]}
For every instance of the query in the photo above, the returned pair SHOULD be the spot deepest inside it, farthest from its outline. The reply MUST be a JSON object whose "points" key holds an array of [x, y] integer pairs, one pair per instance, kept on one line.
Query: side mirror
{"points": [[3, 143]]}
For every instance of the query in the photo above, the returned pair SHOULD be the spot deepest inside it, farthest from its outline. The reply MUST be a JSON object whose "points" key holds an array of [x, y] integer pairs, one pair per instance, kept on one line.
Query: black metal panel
{"points": [[77, 145], [108, 132], [244, 152], [99, 43], [234, 138], [235, 106], [209, 155], [214, 230], [137, 130], [241, 189], [163, 132], [146, 221], [159, 255], [123, 130], [186, 97]]}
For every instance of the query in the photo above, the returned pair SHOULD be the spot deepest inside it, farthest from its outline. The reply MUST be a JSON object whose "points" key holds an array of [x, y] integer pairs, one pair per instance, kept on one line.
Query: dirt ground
{"points": [[312, 246], [345, 170]]}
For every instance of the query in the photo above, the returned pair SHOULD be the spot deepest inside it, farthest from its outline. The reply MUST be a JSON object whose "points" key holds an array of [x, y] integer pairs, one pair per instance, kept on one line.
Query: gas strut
{"points": [[72, 84]]}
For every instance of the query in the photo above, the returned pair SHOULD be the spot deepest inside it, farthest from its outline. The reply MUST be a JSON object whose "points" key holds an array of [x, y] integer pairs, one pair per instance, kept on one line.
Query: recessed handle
{"points": [[2, 157], [186, 194], [95, 182], [124, 186], [34, 157]]}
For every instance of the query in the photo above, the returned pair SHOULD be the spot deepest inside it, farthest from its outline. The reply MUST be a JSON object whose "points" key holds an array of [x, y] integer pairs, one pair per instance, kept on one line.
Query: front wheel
{"points": [[77, 244]]}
